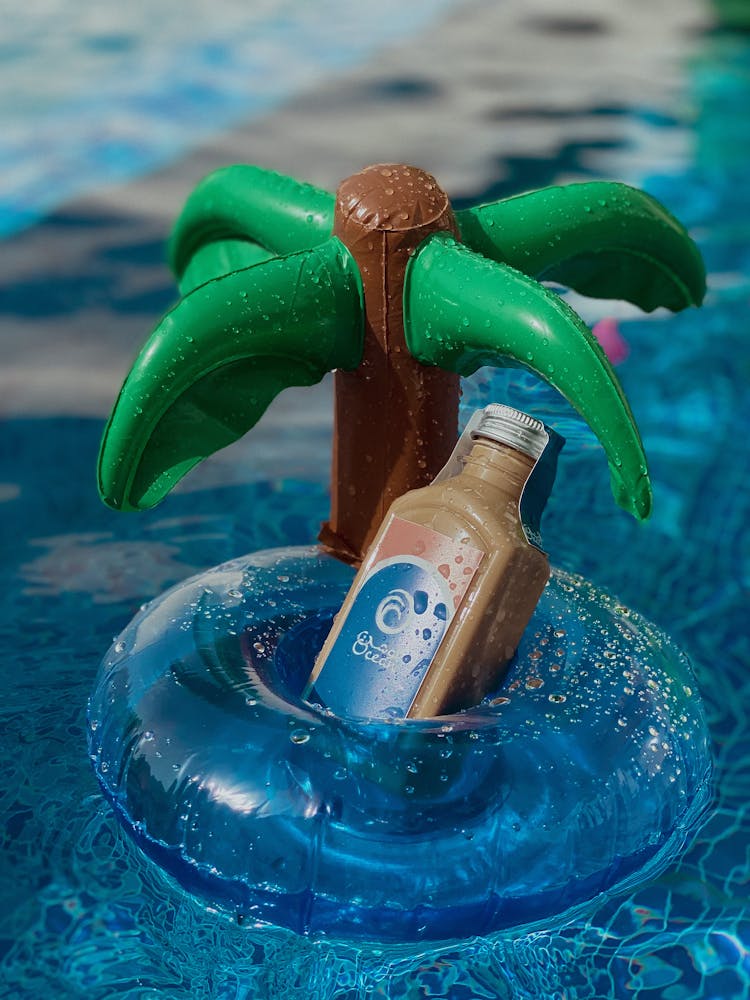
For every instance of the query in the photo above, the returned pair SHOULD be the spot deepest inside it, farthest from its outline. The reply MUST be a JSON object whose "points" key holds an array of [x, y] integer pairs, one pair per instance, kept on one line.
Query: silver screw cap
{"points": [[512, 427]]}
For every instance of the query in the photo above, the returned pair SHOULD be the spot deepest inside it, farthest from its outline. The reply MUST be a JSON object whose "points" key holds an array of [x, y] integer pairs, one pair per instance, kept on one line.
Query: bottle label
{"points": [[396, 622]]}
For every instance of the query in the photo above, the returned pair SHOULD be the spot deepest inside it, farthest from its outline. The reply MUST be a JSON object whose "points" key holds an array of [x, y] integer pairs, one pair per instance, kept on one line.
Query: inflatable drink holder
{"points": [[588, 767]]}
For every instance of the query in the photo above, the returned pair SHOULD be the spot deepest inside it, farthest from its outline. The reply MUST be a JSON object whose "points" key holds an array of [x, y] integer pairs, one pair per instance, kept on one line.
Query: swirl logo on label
{"points": [[395, 612]]}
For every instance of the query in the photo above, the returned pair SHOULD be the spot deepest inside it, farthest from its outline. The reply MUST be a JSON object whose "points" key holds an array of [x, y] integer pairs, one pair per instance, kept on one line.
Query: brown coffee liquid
{"points": [[480, 507], [477, 513]]}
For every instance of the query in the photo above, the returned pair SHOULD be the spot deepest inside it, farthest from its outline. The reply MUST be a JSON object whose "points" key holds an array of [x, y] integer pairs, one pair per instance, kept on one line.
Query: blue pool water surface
{"points": [[84, 913], [165, 79]]}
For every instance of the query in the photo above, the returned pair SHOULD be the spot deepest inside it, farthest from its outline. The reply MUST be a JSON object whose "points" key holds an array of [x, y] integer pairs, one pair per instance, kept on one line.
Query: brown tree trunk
{"points": [[395, 420]]}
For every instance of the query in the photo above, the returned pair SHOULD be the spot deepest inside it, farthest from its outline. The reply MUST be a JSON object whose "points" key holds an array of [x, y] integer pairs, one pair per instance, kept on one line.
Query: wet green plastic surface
{"points": [[211, 260], [251, 323], [245, 203], [462, 311], [215, 362], [602, 238]]}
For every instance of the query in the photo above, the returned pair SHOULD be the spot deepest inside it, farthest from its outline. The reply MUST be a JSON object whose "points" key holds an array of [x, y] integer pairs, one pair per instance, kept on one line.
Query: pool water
{"points": [[83, 913], [164, 80]]}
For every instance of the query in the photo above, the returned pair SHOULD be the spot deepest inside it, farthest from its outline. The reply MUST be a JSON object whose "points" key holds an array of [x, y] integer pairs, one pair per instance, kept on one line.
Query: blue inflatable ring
{"points": [[586, 770]]}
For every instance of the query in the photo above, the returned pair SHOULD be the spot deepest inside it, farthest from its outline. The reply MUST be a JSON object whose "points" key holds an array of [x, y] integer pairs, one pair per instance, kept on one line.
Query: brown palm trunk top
{"points": [[395, 420]]}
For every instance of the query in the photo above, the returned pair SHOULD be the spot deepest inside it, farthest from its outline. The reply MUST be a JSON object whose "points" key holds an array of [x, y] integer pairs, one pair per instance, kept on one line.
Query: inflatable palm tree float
{"points": [[282, 282]]}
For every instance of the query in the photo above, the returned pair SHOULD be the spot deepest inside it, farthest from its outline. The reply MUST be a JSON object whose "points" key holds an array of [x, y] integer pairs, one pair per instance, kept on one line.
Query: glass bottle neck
{"points": [[499, 465]]}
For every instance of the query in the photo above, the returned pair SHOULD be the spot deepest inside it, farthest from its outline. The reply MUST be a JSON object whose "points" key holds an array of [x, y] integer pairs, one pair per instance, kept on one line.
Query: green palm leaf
{"points": [[462, 311], [602, 238], [240, 215], [211, 260], [215, 362], [252, 322]]}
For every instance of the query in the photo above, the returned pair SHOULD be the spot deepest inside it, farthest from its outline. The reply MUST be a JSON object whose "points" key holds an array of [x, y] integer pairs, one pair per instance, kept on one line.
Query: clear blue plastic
{"points": [[587, 769]]}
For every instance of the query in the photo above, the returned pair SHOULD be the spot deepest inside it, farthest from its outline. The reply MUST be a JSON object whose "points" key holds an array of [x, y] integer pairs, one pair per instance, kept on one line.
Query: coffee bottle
{"points": [[449, 584]]}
